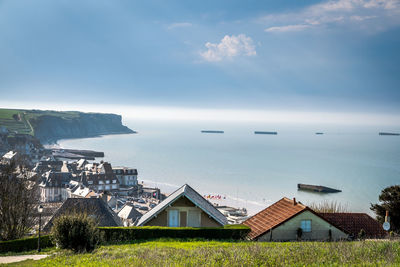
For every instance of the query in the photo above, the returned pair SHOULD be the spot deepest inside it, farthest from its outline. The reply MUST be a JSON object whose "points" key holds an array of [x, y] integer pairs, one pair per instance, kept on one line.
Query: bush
{"points": [[121, 234], [25, 244], [77, 232]]}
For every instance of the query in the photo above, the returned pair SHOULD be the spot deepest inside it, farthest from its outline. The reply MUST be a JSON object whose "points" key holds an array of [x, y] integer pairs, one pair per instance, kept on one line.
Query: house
{"points": [[126, 176], [101, 181], [93, 207], [99, 177], [353, 223], [283, 220], [129, 215], [184, 207], [9, 156], [54, 186]]}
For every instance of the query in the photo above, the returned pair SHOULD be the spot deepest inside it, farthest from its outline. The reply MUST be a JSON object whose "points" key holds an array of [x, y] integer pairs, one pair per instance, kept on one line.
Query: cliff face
{"points": [[49, 128]]}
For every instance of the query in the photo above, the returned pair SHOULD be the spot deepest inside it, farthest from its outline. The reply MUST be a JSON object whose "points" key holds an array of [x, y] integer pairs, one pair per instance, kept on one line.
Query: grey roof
{"points": [[194, 197], [129, 212], [92, 206]]}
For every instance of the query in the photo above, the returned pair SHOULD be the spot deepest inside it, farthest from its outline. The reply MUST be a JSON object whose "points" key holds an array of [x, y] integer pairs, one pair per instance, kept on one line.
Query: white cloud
{"points": [[352, 13], [229, 47], [179, 25], [288, 28]]}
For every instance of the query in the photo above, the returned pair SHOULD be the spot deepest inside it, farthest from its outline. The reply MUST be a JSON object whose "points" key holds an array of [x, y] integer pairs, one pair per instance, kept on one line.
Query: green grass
{"points": [[218, 253], [23, 125]]}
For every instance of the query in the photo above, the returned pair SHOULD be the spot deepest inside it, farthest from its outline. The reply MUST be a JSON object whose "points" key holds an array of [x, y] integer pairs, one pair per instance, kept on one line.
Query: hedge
{"points": [[25, 244], [121, 234]]}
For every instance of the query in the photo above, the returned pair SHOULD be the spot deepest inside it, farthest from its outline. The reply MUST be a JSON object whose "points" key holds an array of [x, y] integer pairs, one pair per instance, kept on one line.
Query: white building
{"points": [[54, 187], [126, 176]]}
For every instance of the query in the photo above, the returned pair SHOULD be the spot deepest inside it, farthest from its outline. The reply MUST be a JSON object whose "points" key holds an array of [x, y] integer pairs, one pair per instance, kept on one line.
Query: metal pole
{"points": [[40, 221]]}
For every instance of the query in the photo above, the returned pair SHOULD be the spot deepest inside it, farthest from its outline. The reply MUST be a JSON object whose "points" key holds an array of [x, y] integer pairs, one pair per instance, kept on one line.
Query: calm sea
{"points": [[256, 170]]}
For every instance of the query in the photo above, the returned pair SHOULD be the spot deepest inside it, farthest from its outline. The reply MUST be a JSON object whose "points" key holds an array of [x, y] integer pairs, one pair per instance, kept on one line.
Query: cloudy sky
{"points": [[340, 55]]}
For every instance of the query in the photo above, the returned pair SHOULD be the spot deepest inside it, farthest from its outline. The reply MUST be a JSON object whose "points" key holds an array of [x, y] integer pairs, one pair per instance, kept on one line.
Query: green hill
{"points": [[49, 126]]}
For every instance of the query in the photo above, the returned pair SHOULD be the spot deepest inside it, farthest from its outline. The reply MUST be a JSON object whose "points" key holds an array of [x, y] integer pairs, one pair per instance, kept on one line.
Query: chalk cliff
{"points": [[50, 128]]}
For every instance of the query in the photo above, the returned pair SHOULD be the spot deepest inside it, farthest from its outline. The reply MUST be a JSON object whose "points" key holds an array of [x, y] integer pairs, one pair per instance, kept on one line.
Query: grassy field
{"points": [[215, 253], [18, 120]]}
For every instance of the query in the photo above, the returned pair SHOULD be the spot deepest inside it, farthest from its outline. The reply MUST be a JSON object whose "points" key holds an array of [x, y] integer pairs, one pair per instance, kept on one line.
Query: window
{"points": [[114, 186], [107, 181], [306, 226], [193, 218], [100, 187], [173, 218], [101, 182], [107, 187], [90, 182], [114, 181]]}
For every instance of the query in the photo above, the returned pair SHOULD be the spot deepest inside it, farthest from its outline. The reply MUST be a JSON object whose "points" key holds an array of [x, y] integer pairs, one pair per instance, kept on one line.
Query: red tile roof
{"points": [[354, 222], [274, 215]]}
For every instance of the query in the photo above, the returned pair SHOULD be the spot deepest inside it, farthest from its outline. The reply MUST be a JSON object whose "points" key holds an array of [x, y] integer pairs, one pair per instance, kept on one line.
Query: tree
{"points": [[18, 199], [328, 207], [389, 201]]}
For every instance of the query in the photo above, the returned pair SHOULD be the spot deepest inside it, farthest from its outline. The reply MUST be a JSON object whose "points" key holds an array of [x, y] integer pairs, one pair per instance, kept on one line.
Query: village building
{"points": [[101, 182], [129, 215], [288, 220], [10, 156], [54, 186], [355, 223], [184, 208], [126, 176], [93, 207]]}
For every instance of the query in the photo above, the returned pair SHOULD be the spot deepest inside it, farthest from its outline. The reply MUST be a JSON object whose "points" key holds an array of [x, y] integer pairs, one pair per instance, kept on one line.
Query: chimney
{"points": [[294, 201]]}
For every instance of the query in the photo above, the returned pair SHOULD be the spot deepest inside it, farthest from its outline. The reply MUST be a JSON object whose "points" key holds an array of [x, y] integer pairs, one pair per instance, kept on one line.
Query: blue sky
{"points": [[340, 55]]}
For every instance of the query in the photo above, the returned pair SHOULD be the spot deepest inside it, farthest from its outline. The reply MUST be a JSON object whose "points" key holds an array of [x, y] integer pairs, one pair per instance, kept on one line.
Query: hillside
{"points": [[220, 253], [50, 126]]}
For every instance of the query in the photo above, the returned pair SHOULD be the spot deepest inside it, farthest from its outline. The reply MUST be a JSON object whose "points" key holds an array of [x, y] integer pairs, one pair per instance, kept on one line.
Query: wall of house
{"points": [[319, 229], [182, 205], [53, 194]]}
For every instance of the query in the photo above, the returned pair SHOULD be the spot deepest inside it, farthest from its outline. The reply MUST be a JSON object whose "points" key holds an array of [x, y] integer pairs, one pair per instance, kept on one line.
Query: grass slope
{"points": [[18, 120], [216, 253]]}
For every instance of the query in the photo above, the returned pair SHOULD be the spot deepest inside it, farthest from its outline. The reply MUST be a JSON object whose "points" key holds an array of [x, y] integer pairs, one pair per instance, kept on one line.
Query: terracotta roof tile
{"points": [[354, 222], [273, 216]]}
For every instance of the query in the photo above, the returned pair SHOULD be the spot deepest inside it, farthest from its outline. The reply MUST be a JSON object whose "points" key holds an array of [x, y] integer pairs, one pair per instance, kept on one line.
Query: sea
{"points": [[253, 171]]}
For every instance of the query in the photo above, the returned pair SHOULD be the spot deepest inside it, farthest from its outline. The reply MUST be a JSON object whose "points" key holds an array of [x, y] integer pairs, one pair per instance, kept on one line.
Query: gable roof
{"points": [[354, 222], [129, 212], [272, 216], [194, 197], [92, 206]]}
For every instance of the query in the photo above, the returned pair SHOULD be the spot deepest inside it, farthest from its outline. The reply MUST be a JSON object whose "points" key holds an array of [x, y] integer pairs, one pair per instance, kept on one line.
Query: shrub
{"points": [[361, 234], [77, 232], [299, 233], [25, 244], [121, 234]]}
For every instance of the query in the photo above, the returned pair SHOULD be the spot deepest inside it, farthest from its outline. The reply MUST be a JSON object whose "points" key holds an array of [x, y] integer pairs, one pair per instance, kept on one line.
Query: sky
{"points": [[291, 56]]}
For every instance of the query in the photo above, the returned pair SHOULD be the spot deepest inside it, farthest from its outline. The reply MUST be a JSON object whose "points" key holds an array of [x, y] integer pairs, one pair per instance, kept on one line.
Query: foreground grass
{"points": [[214, 253]]}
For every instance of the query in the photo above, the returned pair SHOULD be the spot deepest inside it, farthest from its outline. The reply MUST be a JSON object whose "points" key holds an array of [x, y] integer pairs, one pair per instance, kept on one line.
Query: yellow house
{"points": [[288, 220], [184, 208]]}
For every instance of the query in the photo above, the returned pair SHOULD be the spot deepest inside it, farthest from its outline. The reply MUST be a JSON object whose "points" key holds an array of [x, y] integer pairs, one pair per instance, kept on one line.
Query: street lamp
{"points": [[40, 210]]}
